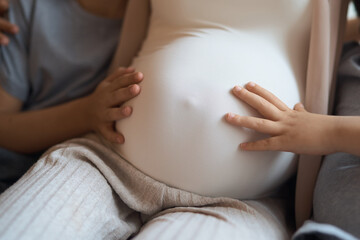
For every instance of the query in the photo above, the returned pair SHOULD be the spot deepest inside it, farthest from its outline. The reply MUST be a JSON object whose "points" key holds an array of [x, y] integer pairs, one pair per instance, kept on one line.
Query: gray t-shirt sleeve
{"points": [[14, 57]]}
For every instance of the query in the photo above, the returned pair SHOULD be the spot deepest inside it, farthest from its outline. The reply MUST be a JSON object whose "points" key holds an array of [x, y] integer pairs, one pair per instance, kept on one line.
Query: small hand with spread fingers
{"points": [[292, 130], [5, 25], [106, 104], [96, 112]]}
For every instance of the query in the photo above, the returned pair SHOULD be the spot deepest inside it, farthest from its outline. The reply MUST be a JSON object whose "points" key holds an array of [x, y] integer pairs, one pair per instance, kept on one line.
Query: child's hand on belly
{"points": [[295, 130], [107, 103]]}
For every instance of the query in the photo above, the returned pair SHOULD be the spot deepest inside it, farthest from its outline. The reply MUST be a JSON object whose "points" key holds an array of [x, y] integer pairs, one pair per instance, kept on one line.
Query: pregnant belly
{"points": [[177, 133]]}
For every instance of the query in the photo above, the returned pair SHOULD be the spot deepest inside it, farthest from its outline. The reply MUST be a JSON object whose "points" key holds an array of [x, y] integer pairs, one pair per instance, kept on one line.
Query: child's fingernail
{"points": [[14, 29], [139, 75], [230, 115], [134, 89], [243, 146], [120, 140], [127, 110], [237, 88], [251, 84]]}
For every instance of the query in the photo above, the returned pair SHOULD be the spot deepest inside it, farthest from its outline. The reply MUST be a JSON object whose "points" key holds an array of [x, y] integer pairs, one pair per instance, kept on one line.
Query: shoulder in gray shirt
{"points": [[60, 53]]}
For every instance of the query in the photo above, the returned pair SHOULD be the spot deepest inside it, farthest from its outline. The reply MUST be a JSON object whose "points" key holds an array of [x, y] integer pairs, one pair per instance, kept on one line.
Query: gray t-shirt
{"points": [[60, 53]]}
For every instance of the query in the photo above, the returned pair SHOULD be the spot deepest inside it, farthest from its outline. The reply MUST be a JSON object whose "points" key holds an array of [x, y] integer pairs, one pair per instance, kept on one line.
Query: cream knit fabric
{"points": [[83, 190]]}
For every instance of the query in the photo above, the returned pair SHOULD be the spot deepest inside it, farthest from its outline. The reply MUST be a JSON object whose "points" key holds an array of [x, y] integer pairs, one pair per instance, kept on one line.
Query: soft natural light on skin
{"points": [[184, 139]]}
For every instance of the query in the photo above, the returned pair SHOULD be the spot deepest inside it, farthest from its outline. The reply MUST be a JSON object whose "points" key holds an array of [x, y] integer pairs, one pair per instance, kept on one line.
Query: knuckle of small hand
{"points": [[292, 113], [257, 124], [267, 142], [262, 122], [287, 110], [119, 70], [113, 97], [281, 129], [292, 120], [108, 115], [262, 103]]}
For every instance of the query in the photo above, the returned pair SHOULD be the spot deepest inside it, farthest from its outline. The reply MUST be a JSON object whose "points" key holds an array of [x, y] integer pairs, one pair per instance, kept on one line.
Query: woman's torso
{"points": [[195, 52], [60, 53]]}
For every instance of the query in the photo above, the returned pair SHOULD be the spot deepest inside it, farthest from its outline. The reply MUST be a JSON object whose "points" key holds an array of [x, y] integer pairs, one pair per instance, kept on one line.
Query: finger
{"points": [[121, 71], [267, 109], [116, 73], [299, 107], [257, 124], [108, 132], [115, 114], [3, 6], [131, 69], [124, 94], [4, 40], [6, 26], [270, 97], [126, 80], [267, 144]]}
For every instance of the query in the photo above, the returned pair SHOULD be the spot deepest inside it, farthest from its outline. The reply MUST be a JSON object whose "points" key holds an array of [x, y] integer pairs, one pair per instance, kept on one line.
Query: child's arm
{"points": [[295, 130], [5, 25], [33, 131]]}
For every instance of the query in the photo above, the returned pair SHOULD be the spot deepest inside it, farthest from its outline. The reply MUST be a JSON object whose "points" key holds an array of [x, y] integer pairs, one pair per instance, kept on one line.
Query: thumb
{"points": [[299, 107]]}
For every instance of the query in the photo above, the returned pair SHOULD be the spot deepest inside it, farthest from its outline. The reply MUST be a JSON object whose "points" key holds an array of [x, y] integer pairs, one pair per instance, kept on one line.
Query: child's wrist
{"points": [[335, 129], [340, 134]]}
